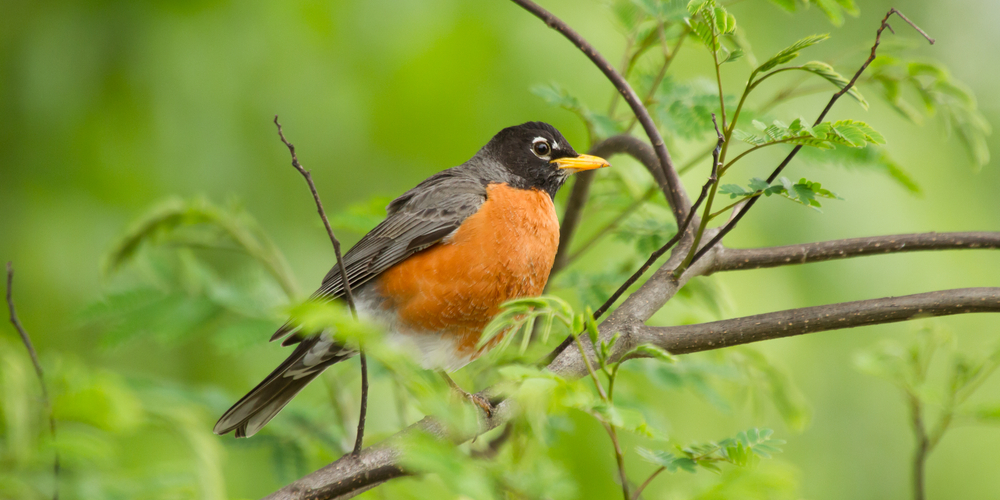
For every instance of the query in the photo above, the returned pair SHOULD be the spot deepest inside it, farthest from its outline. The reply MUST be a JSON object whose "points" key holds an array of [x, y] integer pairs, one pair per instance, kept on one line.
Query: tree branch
{"points": [[670, 182], [38, 372], [348, 293], [732, 259], [719, 334]]}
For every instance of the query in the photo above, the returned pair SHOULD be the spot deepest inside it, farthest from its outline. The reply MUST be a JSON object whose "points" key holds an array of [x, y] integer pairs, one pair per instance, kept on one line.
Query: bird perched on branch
{"points": [[436, 270]]}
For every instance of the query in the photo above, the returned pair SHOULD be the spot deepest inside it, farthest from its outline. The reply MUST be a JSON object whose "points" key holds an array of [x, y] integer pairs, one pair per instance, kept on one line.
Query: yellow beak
{"points": [[581, 163]]}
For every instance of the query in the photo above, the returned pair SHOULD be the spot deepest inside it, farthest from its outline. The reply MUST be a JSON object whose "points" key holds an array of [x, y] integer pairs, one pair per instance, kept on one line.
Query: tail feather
{"points": [[261, 404]]}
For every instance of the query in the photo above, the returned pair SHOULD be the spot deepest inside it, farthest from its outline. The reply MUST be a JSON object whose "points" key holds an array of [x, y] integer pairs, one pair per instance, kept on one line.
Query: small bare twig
{"points": [[348, 293], [836, 96], [38, 372], [638, 491]]}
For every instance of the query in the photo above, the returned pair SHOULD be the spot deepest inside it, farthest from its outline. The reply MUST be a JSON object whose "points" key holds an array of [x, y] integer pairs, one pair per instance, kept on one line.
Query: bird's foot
{"points": [[476, 399], [482, 403]]}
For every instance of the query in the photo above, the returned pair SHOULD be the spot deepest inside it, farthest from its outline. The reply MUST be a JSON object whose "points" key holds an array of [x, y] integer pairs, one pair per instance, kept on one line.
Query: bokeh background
{"points": [[110, 107]]}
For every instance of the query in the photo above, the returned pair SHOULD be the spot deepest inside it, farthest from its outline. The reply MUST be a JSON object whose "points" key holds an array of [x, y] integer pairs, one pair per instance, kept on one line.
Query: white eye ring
{"points": [[541, 148]]}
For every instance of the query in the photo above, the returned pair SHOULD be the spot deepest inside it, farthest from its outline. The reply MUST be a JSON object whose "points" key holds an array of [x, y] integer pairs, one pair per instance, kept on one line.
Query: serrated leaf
{"points": [[666, 459], [790, 52], [734, 55], [748, 138]]}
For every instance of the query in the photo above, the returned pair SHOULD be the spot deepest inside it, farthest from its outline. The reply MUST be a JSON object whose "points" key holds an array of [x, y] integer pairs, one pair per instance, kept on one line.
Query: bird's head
{"points": [[538, 156]]}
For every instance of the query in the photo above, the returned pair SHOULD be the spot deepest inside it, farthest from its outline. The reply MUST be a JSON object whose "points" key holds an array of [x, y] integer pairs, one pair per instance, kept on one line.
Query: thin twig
{"points": [[676, 195], [713, 182], [923, 446], [363, 412], [348, 293], [638, 491], [836, 96], [322, 214], [38, 372]]}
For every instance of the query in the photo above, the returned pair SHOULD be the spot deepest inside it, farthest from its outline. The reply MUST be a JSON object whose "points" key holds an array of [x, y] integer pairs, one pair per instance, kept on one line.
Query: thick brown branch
{"points": [[732, 259], [670, 181], [38, 372], [716, 335]]}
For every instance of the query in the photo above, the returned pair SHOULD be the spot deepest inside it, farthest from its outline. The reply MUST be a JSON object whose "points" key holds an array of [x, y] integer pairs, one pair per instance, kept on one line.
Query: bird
{"points": [[449, 253]]}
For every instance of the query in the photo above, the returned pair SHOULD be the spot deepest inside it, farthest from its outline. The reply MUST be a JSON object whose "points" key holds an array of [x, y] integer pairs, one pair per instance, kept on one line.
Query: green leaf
{"points": [[790, 52], [734, 55], [835, 9], [734, 191], [869, 158], [827, 72], [649, 351], [725, 23], [672, 462]]}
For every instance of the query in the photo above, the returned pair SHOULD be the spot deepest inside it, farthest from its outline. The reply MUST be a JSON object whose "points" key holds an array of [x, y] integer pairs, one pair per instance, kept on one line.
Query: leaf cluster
{"points": [[745, 449]]}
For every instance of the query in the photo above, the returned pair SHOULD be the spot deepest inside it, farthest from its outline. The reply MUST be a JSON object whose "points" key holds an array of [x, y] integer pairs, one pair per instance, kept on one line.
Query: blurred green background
{"points": [[109, 107]]}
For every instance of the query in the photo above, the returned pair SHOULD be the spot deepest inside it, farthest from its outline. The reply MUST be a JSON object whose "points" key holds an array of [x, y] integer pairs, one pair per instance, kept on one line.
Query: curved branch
{"points": [[46, 402], [614, 145], [670, 182], [733, 259], [718, 334]]}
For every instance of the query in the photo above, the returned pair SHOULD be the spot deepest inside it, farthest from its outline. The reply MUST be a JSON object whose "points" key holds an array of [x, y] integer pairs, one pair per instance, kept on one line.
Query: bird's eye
{"points": [[541, 148]]}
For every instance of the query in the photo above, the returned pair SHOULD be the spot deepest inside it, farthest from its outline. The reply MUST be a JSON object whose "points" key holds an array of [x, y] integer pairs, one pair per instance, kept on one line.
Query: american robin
{"points": [[436, 270]]}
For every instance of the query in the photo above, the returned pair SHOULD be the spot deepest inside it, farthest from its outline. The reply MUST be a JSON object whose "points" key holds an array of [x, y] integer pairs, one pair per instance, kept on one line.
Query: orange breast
{"points": [[502, 252]]}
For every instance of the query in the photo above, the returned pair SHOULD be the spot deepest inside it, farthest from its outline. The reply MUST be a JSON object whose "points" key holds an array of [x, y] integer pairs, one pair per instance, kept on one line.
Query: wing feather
{"points": [[417, 220]]}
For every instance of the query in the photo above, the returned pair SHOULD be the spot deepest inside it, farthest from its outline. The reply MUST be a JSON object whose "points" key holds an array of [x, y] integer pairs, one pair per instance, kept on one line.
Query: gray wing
{"points": [[418, 219]]}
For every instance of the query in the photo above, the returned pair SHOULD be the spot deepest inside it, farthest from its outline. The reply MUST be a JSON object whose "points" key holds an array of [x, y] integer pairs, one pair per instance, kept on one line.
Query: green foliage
{"points": [[99, 414], [200, 224], [520, 316], [826, 135], [938, 93], [834, 10], [869, 158], [790, 52], [803, 192], [910, 368], [685, 109], [743, 450]]}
